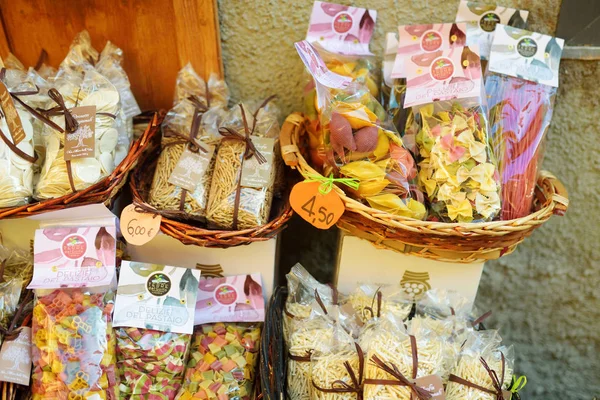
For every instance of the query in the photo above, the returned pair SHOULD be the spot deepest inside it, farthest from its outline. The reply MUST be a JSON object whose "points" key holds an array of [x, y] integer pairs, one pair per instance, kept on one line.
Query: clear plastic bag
{"points": [[81, 57], [222, 363], [73, 349], [17, 269], [243, 179], [177, 128], [91, 90], [372, 301]]}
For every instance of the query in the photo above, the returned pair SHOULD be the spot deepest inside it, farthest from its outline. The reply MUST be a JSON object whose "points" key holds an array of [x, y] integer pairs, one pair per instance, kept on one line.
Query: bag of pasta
{"points": [[371, 301], [243, 179], [483, 370], [402, 363], [190, 135], [359, 142], [74, 279], [16, 269], [457, 170], [154, 321], [81, 145]]}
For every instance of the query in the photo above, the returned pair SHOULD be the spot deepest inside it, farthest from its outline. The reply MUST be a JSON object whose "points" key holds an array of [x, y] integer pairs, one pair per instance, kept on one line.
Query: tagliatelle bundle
{"points": [[375, 301]]}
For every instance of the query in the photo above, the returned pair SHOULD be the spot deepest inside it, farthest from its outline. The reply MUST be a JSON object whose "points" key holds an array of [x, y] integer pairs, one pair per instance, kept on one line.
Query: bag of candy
{"points": [[359, 143], [74, 279], [183, 173], [521, 83], [154, 320], [224, 354], [457, 170]]}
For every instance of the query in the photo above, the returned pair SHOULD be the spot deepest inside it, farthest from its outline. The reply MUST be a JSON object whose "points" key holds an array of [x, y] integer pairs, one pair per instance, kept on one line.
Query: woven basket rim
{"points": [[103, 191]]}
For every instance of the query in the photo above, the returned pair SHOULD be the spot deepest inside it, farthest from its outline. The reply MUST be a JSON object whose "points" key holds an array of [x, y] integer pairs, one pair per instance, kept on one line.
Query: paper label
{"points": [[454, 74], [255, 174], [15, 358], [13, 120], [527, 55], [341, 29], [416, 40], [73, 257], [230, 299], [82, 142], [320, 210], [159, 297], [139, 228], [191, 167], [482, 20], [434, 385]]}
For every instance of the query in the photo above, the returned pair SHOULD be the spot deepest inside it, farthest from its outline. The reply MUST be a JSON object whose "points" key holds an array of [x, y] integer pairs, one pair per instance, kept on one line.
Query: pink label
{"points": [[341, 29], [414, 40], [449, 74], [231, 299], [73, 257]]}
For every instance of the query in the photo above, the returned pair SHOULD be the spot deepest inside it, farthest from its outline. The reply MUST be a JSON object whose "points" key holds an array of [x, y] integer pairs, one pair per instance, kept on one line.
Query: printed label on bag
{"points": [[11, 115], [415, 41], [191, 167], [527, 55], [341, 29], [15, 358], [482, 20], [153, 296], [233, 299], [434, 385], [454, 74], [254, 173], [73, 257], [82, 142]]}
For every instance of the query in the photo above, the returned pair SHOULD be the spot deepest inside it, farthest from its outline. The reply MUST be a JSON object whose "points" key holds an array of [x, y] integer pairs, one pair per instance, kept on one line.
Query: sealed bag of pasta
{"points": [[184, 170], [457, 169], [483, 370], [17, 155], [403, 363], [154, 321], [371, 301], [359, 143], [242, 186], [81, 143], [224, 354], [73, 342]]}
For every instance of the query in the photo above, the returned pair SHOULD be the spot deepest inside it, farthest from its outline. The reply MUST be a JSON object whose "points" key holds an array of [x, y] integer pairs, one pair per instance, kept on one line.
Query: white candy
{"points": [[86, 169]]}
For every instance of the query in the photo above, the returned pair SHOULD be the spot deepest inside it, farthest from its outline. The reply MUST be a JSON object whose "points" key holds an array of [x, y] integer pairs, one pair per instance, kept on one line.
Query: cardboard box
{"points": [[360, 261]]}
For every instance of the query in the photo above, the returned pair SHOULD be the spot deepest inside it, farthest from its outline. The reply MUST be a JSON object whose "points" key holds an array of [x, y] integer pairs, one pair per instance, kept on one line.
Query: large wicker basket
{"points": [[453, 242], [191, 232], [104, 191]]}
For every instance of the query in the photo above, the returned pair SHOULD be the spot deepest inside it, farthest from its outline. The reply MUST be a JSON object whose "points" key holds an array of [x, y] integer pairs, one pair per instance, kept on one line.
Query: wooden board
{"points": [[158, 37]]}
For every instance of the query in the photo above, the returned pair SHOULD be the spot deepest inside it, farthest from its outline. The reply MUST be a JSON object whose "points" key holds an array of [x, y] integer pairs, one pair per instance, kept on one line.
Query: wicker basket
{"points": [[452, 242], [192, 232], [104, 191]]}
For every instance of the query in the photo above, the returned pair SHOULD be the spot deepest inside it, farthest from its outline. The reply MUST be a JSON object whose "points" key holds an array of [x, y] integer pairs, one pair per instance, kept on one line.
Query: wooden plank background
{"points": [[158, 37]]}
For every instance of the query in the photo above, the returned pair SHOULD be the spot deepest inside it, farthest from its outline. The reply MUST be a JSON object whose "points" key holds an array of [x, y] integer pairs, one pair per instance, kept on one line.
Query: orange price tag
{"points": [[321, 210], [139, 228]]}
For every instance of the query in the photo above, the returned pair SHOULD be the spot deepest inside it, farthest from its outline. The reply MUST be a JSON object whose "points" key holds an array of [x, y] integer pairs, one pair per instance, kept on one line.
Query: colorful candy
{"points": [[222, 363]]}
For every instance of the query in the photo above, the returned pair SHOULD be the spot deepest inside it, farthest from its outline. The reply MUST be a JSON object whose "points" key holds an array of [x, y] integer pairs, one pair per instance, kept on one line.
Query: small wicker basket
{"points": [[191, 232], [452, 242], [104, 191]]}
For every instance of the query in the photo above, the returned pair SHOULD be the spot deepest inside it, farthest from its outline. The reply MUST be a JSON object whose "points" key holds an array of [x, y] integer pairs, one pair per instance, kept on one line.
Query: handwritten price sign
{"points": [[318, 209], [139, 228]]}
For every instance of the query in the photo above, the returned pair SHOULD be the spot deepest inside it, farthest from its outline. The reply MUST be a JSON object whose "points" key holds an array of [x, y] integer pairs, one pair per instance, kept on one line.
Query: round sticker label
{"points": [[158, 284], [442, 68], [431, 41], [225, 294], [74, 247], [527, 47], [342, 22], [489, 21]]}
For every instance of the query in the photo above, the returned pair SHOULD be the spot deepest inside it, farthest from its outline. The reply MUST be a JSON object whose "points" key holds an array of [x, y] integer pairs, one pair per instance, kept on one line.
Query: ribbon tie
{"points": [[71, 123], [379, 296], [327, 182], [496, 382], [339, 386]]}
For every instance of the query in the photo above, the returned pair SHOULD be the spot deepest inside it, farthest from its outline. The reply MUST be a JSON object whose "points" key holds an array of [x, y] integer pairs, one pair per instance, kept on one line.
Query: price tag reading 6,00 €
{"points": [[139, 228], [321, 210]]}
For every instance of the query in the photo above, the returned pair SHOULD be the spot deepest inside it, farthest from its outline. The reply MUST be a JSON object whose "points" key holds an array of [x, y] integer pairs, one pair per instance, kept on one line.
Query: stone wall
{"points": [[544, 296]]}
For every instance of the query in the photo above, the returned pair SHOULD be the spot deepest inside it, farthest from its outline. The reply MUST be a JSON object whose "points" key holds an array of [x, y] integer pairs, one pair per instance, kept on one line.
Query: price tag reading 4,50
{"points": [[139, 228], [320, 210]]}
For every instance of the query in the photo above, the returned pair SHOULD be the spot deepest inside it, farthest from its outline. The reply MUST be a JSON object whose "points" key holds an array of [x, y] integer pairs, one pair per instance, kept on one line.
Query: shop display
{"points": [[153, 325], [73, 343], [184, 170], [457, 169], [521, 84], [224, 351]]}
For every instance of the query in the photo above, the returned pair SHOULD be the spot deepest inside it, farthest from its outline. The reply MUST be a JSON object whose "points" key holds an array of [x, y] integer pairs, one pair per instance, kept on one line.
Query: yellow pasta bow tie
{"points": [[461, 211], [476, 149], [482, 174]]}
